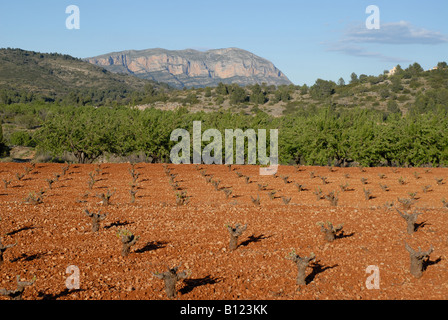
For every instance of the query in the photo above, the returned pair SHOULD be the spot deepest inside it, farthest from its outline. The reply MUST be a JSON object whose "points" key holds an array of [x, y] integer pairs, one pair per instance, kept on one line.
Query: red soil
{"points": [[56, 234]]}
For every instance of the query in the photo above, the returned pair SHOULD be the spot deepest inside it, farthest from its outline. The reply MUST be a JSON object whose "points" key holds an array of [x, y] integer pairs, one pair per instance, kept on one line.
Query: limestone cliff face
{"points": [[187, 68]]}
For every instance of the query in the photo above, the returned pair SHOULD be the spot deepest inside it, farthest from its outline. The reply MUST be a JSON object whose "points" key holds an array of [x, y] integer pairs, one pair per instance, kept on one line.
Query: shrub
{"points": [[22, 138], [4, 149]]}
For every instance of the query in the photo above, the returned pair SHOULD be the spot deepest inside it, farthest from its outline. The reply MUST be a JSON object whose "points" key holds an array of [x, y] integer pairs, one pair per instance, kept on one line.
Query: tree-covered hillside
{"points": [[28, 76]]}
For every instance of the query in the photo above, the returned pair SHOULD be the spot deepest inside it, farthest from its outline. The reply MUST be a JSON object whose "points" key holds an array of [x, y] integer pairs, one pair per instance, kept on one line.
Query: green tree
{"points": [[353, 78], [363, 78], [442, 65], [396, 84], [322, 89], [85, 132], [392, 107], [258, 96], [22, 138], [222, 89], [4, 150], [238, 95], [304, 89]]}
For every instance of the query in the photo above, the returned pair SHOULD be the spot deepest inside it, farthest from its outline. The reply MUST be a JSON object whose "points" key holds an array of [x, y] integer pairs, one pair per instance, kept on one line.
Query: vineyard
{"points": [[164, 231]]}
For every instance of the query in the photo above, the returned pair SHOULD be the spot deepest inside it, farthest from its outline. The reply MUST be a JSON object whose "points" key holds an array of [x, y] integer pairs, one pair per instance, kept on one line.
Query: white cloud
{"points": [[358, 51], [395, 33]]}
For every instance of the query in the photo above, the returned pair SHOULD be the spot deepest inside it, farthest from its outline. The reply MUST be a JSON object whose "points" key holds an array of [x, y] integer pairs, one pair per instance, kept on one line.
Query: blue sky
{"points": [[307, 40]]}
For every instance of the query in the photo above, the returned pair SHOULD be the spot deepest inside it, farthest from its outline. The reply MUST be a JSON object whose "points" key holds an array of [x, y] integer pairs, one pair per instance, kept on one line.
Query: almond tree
{"points": [[418, 258], [302, 263], [170, 278]]}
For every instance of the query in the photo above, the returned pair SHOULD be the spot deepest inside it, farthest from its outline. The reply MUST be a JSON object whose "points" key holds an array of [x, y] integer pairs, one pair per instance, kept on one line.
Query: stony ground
{"points": [[55, 234]]}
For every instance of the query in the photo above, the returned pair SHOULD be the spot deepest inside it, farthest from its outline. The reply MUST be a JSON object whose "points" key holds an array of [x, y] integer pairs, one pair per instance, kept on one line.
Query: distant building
{"points": [[392, 71]]}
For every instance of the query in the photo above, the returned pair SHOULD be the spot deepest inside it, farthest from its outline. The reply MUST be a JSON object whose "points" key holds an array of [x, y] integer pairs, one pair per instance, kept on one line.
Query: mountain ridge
{"points": [[193, 68]]}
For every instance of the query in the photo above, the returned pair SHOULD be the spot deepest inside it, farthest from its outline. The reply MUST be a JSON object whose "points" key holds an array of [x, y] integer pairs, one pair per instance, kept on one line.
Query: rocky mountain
{"points": [[192, 68]]}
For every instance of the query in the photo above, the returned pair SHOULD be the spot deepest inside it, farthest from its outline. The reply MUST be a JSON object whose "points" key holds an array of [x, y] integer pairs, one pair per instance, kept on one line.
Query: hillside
{"points": [[26, 76], [191, 68], [410, 88]]}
